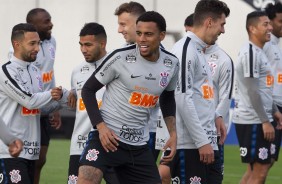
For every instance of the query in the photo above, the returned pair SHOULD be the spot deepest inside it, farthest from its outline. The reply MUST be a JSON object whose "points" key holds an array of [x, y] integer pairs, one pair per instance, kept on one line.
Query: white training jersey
{"points": [[21, 100], [252, 70], [133, 89], [222, 75], [274, 54], [82, 125], [5, 134], [195, 110]]}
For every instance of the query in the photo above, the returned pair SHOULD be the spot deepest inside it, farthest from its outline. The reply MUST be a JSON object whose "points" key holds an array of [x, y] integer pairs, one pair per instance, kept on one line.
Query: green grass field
{"points": [[55, 170]]}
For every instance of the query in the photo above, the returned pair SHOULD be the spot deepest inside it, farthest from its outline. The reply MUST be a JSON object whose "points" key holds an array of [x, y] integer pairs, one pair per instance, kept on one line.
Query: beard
{"points": [[44, 36]]}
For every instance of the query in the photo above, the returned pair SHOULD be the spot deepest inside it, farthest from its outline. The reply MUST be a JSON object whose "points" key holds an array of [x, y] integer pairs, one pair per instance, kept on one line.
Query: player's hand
{"points": [[57, 93], [268, 131], [206, 154], [107, 137], [171, 143], [15, 148], [55, 120], [221, 129], [278, 117], [72, 100]]}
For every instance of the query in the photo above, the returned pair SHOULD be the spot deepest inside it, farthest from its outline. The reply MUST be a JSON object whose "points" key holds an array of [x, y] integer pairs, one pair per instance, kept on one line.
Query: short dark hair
{"points": [[253, 17], [209, 8], [272, 9], [93, 28], [131, 7], [189, 20], [19, 30], [152, 16], [32, 13]]}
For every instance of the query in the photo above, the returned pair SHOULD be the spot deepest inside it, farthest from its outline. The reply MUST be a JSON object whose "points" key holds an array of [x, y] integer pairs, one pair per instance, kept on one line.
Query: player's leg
{"points": [[259, 173], [246, 176], [164, 171], [275, 145], [45, 139], [73, 168], [140, 166], [95, 161], [17, 170], [151, 144], [186, 167], [110, 176], [215, 174]]}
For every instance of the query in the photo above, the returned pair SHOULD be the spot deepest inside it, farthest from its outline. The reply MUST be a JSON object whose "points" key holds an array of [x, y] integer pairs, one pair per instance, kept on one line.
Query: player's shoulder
{"points": [[82, 67]]}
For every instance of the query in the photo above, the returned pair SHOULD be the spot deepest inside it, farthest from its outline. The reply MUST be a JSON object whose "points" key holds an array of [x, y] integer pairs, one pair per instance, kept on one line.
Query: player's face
{"points": [[263, 29], [91, 48], [43, 24], [214, 29], [277, 25], [28, 47], [127, 26], [148, 39]]}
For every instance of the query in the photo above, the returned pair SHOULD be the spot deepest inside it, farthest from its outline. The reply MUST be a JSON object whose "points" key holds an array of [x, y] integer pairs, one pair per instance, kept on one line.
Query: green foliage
{"points": [[56, 168]]}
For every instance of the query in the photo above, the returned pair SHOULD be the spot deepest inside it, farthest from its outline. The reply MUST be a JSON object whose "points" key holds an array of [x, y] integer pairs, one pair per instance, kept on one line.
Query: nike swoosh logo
{"points": [[79, 82], [135, 76]]}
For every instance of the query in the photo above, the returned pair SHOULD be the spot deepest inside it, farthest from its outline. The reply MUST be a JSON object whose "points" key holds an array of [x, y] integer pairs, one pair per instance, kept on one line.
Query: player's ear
{"points": [[162, 35]]}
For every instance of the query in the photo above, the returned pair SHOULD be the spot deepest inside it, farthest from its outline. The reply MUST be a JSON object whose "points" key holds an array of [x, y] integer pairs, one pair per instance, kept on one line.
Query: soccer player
{"points": [[15, 145], [93, 40], [21, 100], [41, 19], [127, 14], [195, 110], [135, 78], [254, 107], [188, 23], [274, 54], [222, 74]]}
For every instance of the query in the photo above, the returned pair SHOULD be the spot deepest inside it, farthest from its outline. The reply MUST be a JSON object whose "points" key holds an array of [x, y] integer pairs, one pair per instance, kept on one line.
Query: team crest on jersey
{"points": [[52, 52], [130, 58], [72, 179], [175, 180], [1, 177], [195, 180], [272, 149], [167, 62], [164, 79], [40, 83], [263, 153], [15, 176], [243, 151], [213, 67], [84, 69], [92, 155]]}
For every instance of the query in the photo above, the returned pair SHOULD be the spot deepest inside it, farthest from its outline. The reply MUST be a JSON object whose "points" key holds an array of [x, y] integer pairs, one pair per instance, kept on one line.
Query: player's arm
{"points": [[186, 108], [225, 93], [13, 88], [252, 88], [168, 107]]}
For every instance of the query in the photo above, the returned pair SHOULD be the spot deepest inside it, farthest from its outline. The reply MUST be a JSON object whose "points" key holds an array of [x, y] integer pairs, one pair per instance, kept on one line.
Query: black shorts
{"points": [[110, 175], [253, 146], [45, 130], [133, 164], [186, 167], [152, 143], [17, 170], [275, 146]]}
